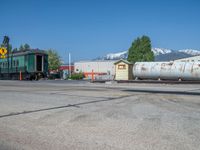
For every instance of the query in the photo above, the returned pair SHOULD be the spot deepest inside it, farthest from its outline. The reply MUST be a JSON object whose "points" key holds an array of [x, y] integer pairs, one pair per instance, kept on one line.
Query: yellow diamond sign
{"points": [[3, 52]]}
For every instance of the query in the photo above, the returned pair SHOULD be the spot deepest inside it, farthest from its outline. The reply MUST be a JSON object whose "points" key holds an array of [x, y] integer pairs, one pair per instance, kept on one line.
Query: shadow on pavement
{"points": [[108, 99], [164, 92], [65, 106]]}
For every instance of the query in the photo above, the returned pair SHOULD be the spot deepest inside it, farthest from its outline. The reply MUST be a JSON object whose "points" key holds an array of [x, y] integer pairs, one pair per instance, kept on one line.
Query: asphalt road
{"points": [[61, 115]]}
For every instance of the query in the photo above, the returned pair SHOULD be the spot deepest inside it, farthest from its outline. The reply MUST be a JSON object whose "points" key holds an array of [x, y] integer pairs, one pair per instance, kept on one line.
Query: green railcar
{"points": [[29, 64]]}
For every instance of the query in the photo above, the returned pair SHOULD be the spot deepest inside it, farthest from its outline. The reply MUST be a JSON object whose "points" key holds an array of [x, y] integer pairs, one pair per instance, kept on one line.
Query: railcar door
{"points": [[39, 63]]}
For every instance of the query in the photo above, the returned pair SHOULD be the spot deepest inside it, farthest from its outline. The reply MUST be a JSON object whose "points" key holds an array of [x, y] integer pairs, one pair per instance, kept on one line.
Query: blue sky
{"points": [[91, 28]]}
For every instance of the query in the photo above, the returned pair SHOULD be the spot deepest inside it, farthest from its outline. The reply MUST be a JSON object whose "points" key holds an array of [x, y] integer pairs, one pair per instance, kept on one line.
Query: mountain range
{"points": [[161, 54]]}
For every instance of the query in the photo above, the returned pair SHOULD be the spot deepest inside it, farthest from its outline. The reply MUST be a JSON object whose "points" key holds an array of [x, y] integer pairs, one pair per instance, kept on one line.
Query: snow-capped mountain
{"points": [[116, 55], [157, 52], [190, 51]]}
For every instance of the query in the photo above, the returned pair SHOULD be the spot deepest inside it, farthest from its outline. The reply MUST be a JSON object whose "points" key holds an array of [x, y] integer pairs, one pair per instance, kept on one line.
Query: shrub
{"points": [[77, 76]]}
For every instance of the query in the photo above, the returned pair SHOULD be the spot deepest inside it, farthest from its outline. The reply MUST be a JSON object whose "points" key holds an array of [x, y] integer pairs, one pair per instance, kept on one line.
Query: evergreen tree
{"points": [[26, 46], [140, 50], [147, 54], [10, 48], [133, 51], [21, 48], [15, 49]]}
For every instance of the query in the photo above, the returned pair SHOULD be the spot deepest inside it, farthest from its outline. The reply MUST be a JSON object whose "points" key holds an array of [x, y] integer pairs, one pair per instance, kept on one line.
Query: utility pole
{"points": [[6, 44], [70, 66]]}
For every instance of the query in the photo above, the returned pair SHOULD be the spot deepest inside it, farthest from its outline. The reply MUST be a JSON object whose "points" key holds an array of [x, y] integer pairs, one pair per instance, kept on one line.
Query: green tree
{"points": [[15, 49], [10, 48], [26, 46], [147, 54], [133, 52], [54, 61], [140, 50], [21, 48]]}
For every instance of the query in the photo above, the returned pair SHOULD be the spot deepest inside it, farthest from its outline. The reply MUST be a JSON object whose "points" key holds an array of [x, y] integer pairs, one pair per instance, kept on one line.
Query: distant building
{"points": [[124, 70], [189, 59], [97, 68], [65, 70], [67, 67]]}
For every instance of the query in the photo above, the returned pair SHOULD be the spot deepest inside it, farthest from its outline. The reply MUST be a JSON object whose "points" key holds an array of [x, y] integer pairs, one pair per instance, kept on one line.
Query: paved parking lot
{"points": [[60, 115]]}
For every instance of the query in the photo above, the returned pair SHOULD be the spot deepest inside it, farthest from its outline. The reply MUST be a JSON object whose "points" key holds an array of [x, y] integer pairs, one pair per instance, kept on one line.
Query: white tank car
{"points": [[167, 70]]}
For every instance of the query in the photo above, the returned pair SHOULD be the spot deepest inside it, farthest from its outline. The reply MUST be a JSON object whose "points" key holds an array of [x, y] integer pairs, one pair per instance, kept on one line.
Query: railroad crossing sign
{"points": [[3, 52]]}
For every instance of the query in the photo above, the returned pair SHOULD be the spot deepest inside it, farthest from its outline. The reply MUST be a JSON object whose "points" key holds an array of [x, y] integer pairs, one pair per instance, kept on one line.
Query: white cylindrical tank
{"points": [[167, 70]]}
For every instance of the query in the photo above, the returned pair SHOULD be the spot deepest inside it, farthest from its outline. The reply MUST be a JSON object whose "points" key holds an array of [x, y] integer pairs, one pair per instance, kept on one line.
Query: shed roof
{"points": [[122, 60]]}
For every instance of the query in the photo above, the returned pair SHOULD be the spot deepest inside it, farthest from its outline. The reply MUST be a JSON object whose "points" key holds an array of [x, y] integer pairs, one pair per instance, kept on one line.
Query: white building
{"points": [[98, 67], [189, 59]]}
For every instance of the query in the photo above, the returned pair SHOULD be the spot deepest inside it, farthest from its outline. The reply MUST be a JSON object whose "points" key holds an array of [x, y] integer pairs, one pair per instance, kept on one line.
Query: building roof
{"points": [[86, 61], [123, 60], [28, 51], [66, 67]]}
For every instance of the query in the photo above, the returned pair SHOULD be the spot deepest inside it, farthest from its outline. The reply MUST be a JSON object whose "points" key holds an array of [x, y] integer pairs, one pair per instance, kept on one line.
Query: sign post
{"points": [[5, 50], [6, 44]]}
